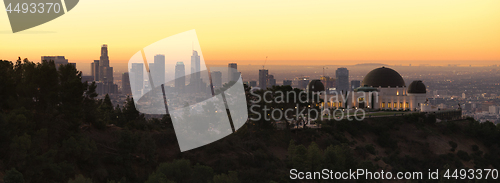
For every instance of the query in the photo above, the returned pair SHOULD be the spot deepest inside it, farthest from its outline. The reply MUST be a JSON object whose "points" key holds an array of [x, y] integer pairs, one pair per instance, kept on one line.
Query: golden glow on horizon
{"points": [[288, 31]]}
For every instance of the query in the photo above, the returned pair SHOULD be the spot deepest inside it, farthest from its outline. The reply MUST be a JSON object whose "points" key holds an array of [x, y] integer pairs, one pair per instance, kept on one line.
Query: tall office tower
{"points": [[108, 74], [180, 76], [58, 60], [92, 69], [195, 67], [216, 79], [151, 68], [263, 74], [104, 60], [355, 84], [342, 79], [95, 69], [126, 90], [303, 82], [253, 83], [159, 69], [137, 71], [233, 75], [287, 82], [271, 81], [105, 71]]}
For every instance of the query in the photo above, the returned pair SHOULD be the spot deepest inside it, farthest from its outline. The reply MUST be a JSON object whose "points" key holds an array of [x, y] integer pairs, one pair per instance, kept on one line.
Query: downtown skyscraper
{"points": [[105, 71], [159, 70], [195, 67], [94, 66], [137, 71], [342, 79], [233, 75], [180, 76], [263, 76], [58, 60], [216, 79], [126, 90]]}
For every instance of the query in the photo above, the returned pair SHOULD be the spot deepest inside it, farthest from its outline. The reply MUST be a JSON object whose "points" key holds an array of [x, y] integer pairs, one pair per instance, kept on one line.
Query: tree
{"points": [[314, 157], [339, 158], [299, 158], [106, 113], [13, 176], [157, 177], [7, 81], [147, 147], [71, 93], [202, 173], [178, 170], [19, 150], [129, 110], [231, 177], [80, 179]]}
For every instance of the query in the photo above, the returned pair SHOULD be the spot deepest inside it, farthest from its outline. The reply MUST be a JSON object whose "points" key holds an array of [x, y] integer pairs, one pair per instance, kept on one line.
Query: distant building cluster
{"points": [[58, 60], [102, 74]]}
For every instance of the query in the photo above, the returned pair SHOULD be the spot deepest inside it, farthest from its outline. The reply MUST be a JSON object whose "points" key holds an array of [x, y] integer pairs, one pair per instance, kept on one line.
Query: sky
{"points": [[288, 32]]}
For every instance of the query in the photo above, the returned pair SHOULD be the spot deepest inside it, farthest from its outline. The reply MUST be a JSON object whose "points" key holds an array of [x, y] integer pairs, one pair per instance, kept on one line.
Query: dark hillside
{"points": [[54, 129]]}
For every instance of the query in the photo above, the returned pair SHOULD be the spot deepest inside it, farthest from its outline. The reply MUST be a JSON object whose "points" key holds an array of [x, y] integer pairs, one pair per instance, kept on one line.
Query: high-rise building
{"points": [[104, 60], [106, 88], [355, 84], [342, 79], [87, 79], [253, 83], [180, 76], [216, 79], [159, 69], [94, 66], [58, 60], [263, 74], [105, 71], [137, 71], [233, 75], [271, 81], [195, 66], [151, 68], [327, 81], [126, 90], [303, 82], [287, 82]]}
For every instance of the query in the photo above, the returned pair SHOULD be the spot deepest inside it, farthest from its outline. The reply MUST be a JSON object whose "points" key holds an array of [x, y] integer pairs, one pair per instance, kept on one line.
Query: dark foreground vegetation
{"points": [[53, 129]]}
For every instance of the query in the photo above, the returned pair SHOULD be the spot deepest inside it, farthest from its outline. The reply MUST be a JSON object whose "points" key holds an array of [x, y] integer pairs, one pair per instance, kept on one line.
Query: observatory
{"points": [[382, 88]]}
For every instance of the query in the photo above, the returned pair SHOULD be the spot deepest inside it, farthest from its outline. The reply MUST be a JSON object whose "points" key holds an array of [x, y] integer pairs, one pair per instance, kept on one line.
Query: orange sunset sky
{"points": [[292, 32]]}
